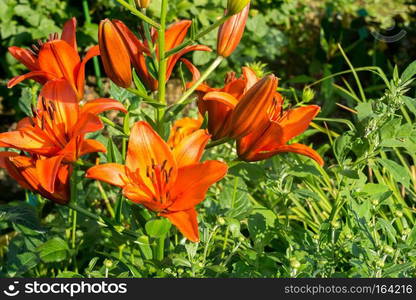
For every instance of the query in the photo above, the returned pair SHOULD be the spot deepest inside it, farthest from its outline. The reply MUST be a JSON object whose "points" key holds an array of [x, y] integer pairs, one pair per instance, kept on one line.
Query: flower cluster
{"points": [[166, 177]]}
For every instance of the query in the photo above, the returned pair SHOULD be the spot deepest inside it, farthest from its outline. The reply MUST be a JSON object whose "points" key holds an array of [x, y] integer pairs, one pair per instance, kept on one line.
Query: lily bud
{"points": [[231, 32], [252, 110], [114, 54], [235, 6], [143, 3]]}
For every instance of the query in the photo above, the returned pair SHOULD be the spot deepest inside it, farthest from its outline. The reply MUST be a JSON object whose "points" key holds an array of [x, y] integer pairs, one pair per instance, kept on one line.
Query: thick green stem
{"points": [[97, 70], [203, 77], [139, 14], [162, 59], [160, 248], [189, 42]]}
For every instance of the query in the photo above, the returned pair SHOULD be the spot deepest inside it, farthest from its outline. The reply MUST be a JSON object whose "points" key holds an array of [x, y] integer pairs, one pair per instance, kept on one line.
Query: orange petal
{"points": [[87, 123], [147, 149], [186, 221], [221, 97], [114, 174], [296, 121], [219, 106], [22, 169], [71, 150], [80, 77], [195, 76], [29, 139], [60, 95], [100, 105], [137, 195], [231, 32], [39, 76], [114, 54], [47, 170], [252, 110], [174, 59], [59, 58], [4, 158], [191, 148], [91, 146], [25, 56], [176, 33], [295, 148], [69, 33], [193, 182], [250, 77]]}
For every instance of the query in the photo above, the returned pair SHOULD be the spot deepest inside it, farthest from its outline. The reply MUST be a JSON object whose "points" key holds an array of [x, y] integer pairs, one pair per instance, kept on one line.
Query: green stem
{"points": [[139, 14], [106, 200], [203, 77], [138, 93], [160, 248], [218, 142], [73, 199], [162, 59], [100, 220], [112, 124], [198, 36], [97, 70]]}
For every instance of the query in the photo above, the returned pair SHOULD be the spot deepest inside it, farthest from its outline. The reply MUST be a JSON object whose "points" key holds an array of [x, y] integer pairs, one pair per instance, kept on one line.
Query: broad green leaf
{"points": [[158, 228], [54, 250]]}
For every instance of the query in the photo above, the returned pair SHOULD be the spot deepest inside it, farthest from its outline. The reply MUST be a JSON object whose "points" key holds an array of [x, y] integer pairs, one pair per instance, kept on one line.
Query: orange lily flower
{"points": [[170, 182], [183, 128], [231, 32], [55, 59], [138, 49], [219, 103], [114, 54], [46, 176], [271, 138], [59, 124]]}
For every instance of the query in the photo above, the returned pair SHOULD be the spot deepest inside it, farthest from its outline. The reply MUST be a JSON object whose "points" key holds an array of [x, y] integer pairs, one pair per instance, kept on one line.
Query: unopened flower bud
{"points": [[143, 3], [235, 6]]}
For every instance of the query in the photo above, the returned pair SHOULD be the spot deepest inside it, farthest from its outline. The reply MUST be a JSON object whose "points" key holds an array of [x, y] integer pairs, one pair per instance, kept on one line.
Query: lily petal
{"points": [[80, 77], [59, 58], [252, 110], [69, 33], [30, 139], [223, 98], [295, 148], [60, 95], [147, 149], [47, 170], [191, 148], [186, 221], [112, 173], [137, 195], [39, 76], [25, 56], [296, 121], [174, 58], [4, 157], [193, 182], [91, 146], [100, 105]]}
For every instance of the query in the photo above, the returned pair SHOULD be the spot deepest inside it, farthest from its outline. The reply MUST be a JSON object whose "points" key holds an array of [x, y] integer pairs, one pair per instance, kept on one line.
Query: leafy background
{"points": [[285, 217]]}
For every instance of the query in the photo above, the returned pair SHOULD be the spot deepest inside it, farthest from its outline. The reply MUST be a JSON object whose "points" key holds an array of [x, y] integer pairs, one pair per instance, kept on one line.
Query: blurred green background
{"points": [[296, 40]]}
